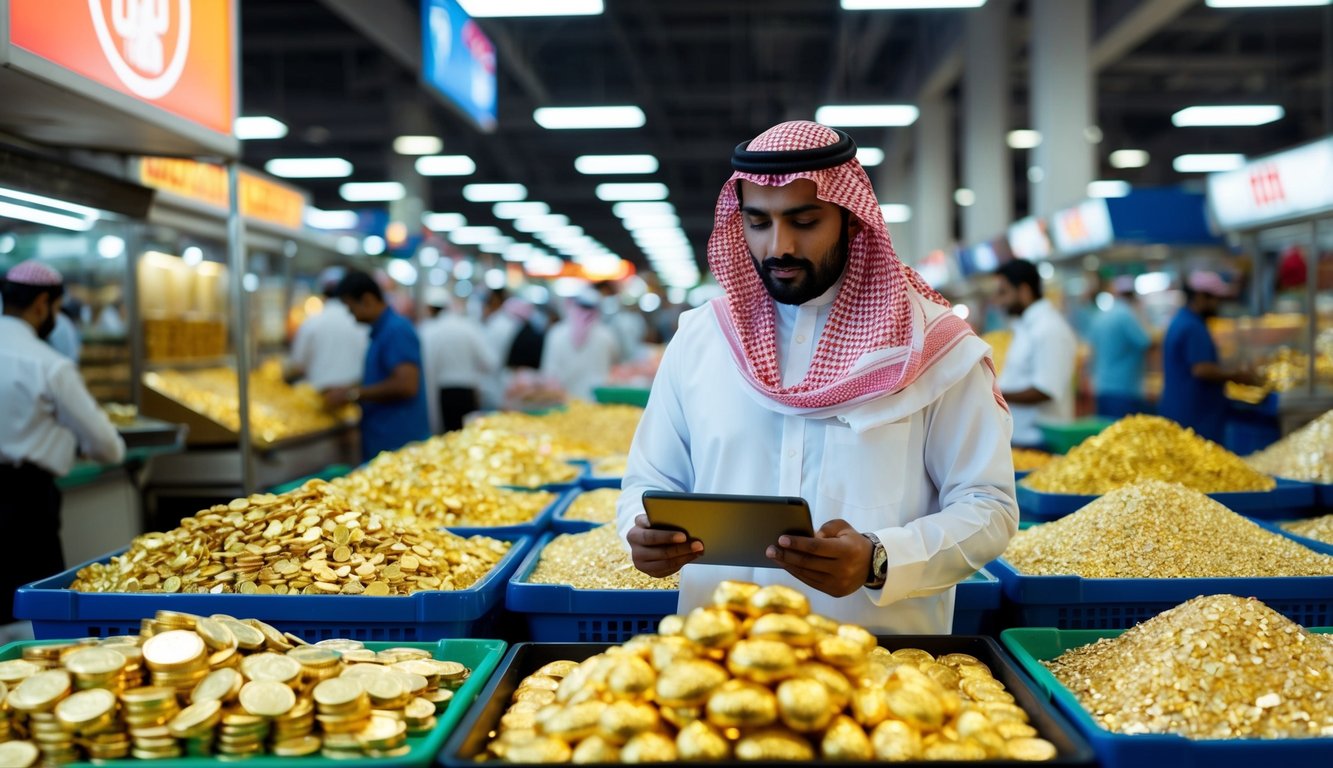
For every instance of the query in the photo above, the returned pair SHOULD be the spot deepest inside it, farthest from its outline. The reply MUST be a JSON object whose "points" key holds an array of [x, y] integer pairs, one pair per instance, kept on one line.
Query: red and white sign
{"points": [[178, 55], [1280, 187]]}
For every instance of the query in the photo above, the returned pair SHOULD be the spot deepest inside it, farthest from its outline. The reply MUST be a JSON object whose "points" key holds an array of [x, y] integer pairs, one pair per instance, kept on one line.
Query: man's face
{"points": [[363, 308], [1013, 298], [48, 323], [1209, 305], [798, 242]]}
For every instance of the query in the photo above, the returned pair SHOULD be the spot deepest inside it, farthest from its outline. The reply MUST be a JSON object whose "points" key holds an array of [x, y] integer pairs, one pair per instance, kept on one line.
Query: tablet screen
{"points": [[734, 529]]}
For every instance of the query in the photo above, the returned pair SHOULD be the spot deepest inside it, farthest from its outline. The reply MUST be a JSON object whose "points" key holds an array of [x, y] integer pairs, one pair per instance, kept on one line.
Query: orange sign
{"points": [[261, 199], [177, 55]]}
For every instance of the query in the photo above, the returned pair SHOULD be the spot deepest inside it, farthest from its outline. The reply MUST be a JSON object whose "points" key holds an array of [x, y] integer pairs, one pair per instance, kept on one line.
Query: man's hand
{"points": [[336, 397], [660, 553], [836, 561]]}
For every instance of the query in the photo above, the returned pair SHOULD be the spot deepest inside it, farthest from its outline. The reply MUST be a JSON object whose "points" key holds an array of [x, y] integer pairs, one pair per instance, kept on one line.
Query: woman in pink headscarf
{"points": [[827, 370]]}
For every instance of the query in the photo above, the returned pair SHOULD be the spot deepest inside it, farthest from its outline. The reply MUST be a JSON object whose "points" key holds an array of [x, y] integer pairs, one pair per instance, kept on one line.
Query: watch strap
{"points": [[879, 563]]}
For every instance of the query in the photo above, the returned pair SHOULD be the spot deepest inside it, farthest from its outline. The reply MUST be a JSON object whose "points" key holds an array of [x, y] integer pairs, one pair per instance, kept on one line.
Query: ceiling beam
{"points": [[1137, 26], [392, 26]]}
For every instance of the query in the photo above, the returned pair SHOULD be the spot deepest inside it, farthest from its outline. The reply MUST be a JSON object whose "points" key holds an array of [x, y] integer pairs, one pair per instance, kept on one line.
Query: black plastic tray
{"points": [[469, 740]]}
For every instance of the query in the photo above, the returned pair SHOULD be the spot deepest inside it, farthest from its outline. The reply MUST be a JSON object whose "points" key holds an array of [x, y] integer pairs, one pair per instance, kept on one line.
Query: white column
{"points": [[1062, 103], [932, 204], [986, 94]]}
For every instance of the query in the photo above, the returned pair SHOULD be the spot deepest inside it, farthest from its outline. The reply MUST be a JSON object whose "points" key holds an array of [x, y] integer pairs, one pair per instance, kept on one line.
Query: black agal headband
{"points": [[795, 160]]}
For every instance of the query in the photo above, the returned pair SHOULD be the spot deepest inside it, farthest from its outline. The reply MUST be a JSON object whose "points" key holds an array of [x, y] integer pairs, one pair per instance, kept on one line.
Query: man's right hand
{"points": [[658, 552]]}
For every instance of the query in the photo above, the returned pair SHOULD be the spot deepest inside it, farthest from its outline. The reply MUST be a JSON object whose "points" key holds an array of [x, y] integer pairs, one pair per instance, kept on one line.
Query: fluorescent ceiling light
{"points": [[1128, 158], [624, 210], [373, 245], [908, 5], [1023, 139], [443, 222], [611, 164], [482, 9], [870, 156], [1108, 188], [330, 219], [1265, 3], [418, 145], [538, 224], [494, 193], [854, 115], [50, 202], [372, 191], [1207, 163], [563, 118], [964, 197], [446, 165], [49, 218], [896, 213], [309, 167], [561, 232], [519, 252], [520, 210], [643, 191], [651, 221], [475, 235], [259, 127], [1235, 115]]}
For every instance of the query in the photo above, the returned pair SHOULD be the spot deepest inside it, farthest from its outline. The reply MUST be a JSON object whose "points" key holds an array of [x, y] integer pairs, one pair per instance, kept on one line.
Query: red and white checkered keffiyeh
{"points": [[879, 307]]}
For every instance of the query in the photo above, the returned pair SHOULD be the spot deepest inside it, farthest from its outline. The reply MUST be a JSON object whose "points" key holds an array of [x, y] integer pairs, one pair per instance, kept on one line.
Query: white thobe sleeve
{"points": [[968, 457], [659, 457], [78, 411]]}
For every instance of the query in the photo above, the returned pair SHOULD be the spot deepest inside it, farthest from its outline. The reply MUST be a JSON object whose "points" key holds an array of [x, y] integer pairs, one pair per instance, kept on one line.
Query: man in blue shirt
{"points": [[1119, 343], [392, 394], [1193, 389]]}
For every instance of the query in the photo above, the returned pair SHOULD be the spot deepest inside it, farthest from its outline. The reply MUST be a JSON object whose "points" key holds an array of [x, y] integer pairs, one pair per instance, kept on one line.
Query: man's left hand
{"points": [[336, 397], [836, 561]]}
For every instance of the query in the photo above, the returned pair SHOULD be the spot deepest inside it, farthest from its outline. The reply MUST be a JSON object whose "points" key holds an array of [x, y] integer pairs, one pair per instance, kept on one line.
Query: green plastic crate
{"points": [[622, 396], [481, 656], [1059, 438]]}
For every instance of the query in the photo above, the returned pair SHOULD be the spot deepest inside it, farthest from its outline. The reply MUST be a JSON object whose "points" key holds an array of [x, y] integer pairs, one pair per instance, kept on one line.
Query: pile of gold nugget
{"points": [[610, 466], [758, 677], [594, 560], [1317, 528], [1216, 667], [1147, 448], [190, 686], [1306, 454], [1027, 459], [580, 430], [310, 541], [1156, 530], [597, 506]]}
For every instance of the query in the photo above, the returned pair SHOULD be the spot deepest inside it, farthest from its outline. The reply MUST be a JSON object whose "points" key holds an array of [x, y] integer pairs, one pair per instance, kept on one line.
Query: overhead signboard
{"points": [[1083, 228], [1028, 239], [261, 199], [1270, 190], [172, 62], [458, 61]]}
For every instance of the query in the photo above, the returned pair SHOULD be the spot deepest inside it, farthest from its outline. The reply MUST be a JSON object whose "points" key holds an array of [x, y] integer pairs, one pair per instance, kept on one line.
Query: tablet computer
{"points": [[735, 529]]}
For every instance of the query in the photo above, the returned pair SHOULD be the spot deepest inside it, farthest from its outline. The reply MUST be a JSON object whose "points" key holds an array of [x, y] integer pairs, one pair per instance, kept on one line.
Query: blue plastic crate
{"points": [[1032, 646], [591, 482], [533, 527], [1073, 602], [561, 525], [1289, 499], [976, 601], [56, 611], [1315, 544]]}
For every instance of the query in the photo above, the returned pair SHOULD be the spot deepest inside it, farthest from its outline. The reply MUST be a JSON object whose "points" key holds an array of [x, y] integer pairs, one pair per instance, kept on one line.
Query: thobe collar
{"points": [[789, 311]]}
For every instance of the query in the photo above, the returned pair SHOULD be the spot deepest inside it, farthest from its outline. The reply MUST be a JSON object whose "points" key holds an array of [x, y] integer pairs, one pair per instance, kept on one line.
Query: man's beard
{"points": [[812, 283], [48, 325]]}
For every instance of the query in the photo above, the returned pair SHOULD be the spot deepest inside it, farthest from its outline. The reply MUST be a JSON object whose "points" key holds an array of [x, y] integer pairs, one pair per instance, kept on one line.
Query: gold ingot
{"points": [[858, 635], [763, 661], [622, 720], [539, 682], [954, 750], [777, 598], [973, 688], [535, 695], [774, 744], [595, 749], [742, 704], [648, 747], [1015, 730], [870, 706], [669, 650], [579, 680], [1030, 749], [1003, 712], [629, 677], [574, 721], [976, 671], [792, 630], [959, 660], [541, 749], [734, 595], [557, 669], [845, 740], [907, 674], [896, 741], [671, 626], [839, 687], [699, 741], [945, 676], [970, 723], [712, 627], [805, 705], [822, 625], [840, 652], [687, 683], [878, 670], [917, 706], [682, 716]]}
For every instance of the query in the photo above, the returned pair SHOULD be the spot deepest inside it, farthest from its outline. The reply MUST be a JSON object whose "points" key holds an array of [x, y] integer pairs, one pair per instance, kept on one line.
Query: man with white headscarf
{"points": [[47, 416], [830, 371]]}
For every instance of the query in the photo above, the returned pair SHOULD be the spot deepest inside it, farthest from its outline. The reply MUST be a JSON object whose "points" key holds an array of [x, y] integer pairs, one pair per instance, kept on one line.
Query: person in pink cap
{"points": [[828, 370], [47, 416], [1193, 378]]}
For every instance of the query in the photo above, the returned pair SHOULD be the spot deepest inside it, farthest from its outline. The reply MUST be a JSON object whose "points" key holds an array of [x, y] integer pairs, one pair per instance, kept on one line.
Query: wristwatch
{"points": [[879, 564]]}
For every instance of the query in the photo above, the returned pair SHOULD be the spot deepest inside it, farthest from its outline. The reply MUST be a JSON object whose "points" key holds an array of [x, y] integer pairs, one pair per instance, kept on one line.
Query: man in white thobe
{"points": [[829, 371], [1038, 376], [329, 349]]}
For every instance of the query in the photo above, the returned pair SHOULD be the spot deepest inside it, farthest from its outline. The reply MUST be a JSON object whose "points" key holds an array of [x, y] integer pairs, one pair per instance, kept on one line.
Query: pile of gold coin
{"points": [[1216, 667], [999, 344], [1027, 459], [493, 456], [1155, 530], [598, 506], [1317, 528], [310, 541], [757, 677], [610, 466], [594, 560], [221, 687], [1306, 454], [580, 430], [1147, 448]]}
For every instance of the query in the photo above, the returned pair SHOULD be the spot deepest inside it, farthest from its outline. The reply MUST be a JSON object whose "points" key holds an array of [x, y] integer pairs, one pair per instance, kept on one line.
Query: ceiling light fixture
{"points": [[568, 118], [1239, 115], [259, 127], [626, 210], [870, 156], [372, 191], [475, 236], [484, 9], [896, 213], [418, 145], [443, 222], [494, 193], [908, 5], [446, 165], [1207, 163], [1109, 188], [1023, 139], [642, 191], [592, 165], [1265, 3], [867, 115], [309, 167], [1128, 158], [520, 210], [331, 219]]}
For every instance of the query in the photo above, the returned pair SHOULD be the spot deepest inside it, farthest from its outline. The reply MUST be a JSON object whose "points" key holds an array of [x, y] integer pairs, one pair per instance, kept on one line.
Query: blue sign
{"points": [[458, 60]]}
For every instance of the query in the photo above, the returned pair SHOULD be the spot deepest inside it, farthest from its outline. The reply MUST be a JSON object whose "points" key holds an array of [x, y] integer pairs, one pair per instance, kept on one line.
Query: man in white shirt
{"points": [[1038, 376], [830, 371], [46, 416], [580, 350], [329, 349], [458, 360]]}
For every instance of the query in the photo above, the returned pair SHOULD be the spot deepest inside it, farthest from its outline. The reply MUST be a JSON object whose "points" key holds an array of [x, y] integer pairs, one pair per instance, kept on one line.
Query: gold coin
{"points": [[300, 746], [452, 670], [17, 670], [95, 661], [267, 698], [385, 687], [419, 709], [41, 691], [247, 637], [215, 634], [270, 666], [196, 716], [556, 669], [339, 692], [18, 754], [1030, 749], [219, 685], [173, 648], [275, 639], [382, 733], [314, 656], [147, 696], [85, 707]]}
